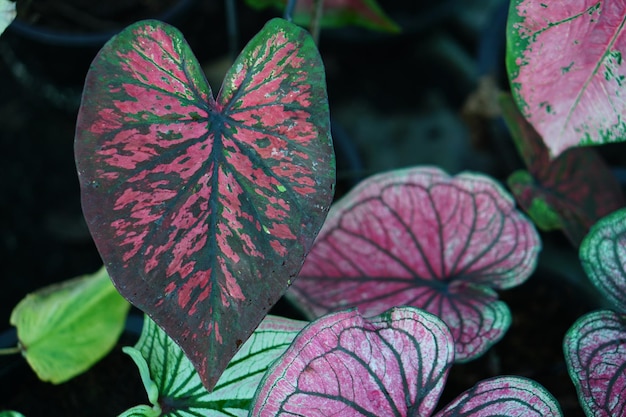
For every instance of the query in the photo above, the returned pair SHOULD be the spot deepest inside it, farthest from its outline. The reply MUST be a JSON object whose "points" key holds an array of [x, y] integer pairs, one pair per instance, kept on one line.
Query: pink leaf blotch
{"points": [[566, 69], [595, 353], [394, 364], [203, 209], [422, 238], [504, 396]]}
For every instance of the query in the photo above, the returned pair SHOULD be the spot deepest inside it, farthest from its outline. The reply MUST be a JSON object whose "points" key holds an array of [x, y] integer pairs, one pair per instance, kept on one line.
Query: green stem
{"points": [[316, 18], [291, 5], [233, 30], [10, 350]]}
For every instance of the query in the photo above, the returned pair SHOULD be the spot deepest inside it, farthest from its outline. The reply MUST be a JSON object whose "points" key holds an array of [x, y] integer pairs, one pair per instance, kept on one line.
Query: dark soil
{"points": [[43, 238]]}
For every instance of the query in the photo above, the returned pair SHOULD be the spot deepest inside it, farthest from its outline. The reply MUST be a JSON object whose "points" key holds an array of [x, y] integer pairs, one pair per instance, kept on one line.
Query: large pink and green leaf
{"points": [[203, 209], [337, 13], [595, 353], [571, 192], [504, 396], [174, 387], [565, 66], [394, 364], [422, 238]]}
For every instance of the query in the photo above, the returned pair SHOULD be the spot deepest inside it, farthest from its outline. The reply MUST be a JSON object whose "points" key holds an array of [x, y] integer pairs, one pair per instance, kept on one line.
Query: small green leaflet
{"points": [[174, 387], [66, 328]]}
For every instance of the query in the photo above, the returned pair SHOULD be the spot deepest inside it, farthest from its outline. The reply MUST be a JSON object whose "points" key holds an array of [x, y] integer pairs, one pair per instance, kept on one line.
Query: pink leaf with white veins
{"points": [[419, 237]]}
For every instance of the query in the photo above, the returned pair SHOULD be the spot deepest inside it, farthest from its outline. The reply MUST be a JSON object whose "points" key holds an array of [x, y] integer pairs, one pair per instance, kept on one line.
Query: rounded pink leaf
{"points": [[504, 396], [394, 364], [203, 209], [595, 353], [565, 65], [422, 238]]}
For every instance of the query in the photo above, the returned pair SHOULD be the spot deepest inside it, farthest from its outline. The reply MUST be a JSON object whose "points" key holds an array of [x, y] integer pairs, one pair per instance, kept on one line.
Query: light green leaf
{"points": [[10, 414], [66, 328], [174, 387], [7, 14]]}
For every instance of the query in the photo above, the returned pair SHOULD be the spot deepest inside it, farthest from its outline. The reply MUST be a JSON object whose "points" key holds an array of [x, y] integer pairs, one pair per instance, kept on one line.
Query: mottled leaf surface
{"points": [[337, 13], [570, 192], [603, 257], [394, 364], [504, 396], [65, 328], [203, 209], [595, 353], [174, 387], [566, 69], [422, 238]]}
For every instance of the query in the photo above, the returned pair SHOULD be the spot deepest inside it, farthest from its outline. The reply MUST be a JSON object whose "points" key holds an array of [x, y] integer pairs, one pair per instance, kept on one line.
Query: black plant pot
{"points": [[110, 387]]}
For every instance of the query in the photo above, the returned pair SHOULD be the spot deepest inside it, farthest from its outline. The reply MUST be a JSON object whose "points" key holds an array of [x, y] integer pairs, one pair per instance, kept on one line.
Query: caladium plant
{"points": [[203, 208], [595, 346], [570, 192], [565, 65], [394, 364], [420, 237]]}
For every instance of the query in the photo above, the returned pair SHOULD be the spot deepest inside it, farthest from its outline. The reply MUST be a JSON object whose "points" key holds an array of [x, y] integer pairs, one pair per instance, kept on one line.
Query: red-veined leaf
{"points": [[394, 364], [203, 209], [337, 13], [422, 238], [595, 353], [571, 192], [565, 65], [504, 396]]}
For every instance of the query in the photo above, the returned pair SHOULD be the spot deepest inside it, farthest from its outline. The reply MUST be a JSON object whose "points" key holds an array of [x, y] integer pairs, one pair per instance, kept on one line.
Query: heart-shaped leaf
{"points": [[571, 192], [66, 328], [504, 396], [595, 353], [174, 387], [422, 238], [603, 257], [394, 364], [337, 13], [203, 209], [565, 65]]}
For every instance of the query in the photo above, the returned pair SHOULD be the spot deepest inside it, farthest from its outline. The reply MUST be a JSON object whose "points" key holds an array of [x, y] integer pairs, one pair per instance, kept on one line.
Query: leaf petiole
{"points": [[10, 350]]}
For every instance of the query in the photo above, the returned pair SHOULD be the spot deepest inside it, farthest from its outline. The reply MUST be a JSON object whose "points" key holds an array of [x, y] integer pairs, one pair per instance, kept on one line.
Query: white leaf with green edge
{"points": [[7, 14], [65, 328], [174, 387]]}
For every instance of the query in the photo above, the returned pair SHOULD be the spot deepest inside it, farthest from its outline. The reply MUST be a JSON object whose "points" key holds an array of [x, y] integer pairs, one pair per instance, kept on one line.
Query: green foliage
{"points": [[65, 328]]}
